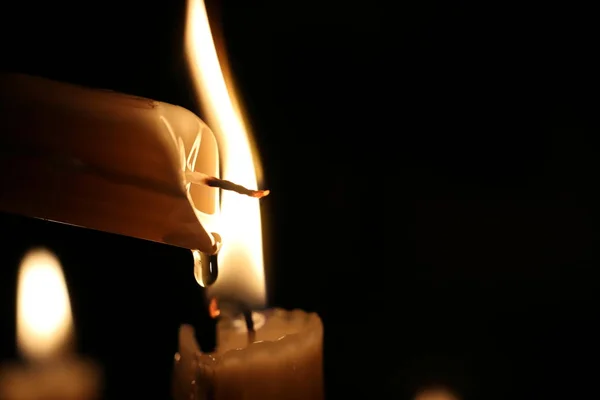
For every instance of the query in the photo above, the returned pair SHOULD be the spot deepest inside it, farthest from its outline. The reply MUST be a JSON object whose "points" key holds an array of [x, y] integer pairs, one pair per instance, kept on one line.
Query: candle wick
{"points": [[211, 181], [249, 325]]}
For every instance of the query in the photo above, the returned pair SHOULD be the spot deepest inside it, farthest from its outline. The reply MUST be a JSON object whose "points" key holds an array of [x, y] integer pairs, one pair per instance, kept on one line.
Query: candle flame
{"points": [[44, 320], [241, 271]]}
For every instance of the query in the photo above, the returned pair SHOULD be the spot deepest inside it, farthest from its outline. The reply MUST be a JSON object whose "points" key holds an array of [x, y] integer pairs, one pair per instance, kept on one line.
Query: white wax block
{"points": [[284, 363], [106, 161]]}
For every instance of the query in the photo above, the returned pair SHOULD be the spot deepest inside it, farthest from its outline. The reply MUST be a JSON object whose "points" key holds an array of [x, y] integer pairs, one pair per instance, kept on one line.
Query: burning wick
{"points": [[199, 178], [203, 328], [241, 318], [213, 308], [249, 325]]}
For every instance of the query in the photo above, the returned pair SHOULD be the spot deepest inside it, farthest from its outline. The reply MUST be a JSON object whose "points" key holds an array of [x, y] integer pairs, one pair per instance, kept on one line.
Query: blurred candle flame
{"points": [[435, 394], [44, 319], [241, 271]]}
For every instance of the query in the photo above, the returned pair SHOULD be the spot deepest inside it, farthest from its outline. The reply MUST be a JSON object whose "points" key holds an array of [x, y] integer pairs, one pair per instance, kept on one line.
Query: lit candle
{"points": [[282, 358], [44, 338]]}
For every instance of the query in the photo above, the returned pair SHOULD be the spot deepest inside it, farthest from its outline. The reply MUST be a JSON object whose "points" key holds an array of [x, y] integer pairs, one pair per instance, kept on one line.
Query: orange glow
{"points": [[435, 394], [241, 265], [213, 308], [44, 320]]}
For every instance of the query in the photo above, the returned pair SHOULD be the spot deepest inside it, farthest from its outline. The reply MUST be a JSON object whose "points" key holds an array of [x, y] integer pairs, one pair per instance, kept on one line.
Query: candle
{"points": [[106, 161], [282, 357], [44, 338], [284, 362]]}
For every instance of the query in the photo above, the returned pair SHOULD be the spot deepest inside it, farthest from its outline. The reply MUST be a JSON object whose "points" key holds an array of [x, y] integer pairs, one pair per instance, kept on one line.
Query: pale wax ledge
{"points": [[106, 161]]}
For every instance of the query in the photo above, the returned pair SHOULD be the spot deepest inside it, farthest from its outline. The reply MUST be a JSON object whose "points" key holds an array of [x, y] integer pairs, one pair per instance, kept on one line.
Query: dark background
{"points": [[433, 187]]}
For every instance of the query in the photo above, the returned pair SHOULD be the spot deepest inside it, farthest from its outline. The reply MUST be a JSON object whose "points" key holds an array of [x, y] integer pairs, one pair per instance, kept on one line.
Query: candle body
{"points": [[106, 161], [285, 362], [68, 379]]}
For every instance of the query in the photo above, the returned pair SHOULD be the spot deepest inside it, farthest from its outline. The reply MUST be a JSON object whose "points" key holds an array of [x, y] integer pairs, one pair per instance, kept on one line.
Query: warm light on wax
{"points": [[44, 320], [241, 259]]}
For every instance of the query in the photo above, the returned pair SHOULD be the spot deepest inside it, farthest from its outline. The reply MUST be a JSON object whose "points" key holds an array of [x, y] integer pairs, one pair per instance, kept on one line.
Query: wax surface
{"points": [[285, 361]]}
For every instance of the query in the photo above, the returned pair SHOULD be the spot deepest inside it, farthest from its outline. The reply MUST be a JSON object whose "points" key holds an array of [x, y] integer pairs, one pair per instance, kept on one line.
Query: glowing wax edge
{"points": [[313, 328]]}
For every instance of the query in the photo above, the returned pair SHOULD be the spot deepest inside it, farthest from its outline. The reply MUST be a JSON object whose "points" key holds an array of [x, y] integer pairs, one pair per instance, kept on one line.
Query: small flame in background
{"points": [[241, 264], [44, 319]]}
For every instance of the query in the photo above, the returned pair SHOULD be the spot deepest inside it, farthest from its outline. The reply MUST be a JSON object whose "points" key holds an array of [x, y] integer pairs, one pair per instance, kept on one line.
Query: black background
{"points": [[433, 187]]}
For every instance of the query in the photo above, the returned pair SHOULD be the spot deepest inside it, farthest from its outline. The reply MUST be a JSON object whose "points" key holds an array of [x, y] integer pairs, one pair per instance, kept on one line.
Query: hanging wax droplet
{"points": [[213, 265], [206, 268]]}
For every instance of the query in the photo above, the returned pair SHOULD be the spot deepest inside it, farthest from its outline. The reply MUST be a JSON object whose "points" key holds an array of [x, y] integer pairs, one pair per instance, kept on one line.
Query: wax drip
{"points": [[206, 271], [206, 268], [213, 267], [198, 314]]}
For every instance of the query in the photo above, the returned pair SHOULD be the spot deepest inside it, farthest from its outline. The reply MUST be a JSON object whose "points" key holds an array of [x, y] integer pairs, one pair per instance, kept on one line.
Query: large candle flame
{"points": [[44, 320], [241, 262]]}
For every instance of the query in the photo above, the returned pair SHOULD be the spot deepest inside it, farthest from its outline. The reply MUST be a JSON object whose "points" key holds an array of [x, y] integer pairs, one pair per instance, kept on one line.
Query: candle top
{"points": [[288, 356], [277, 330], [283, 334]]}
